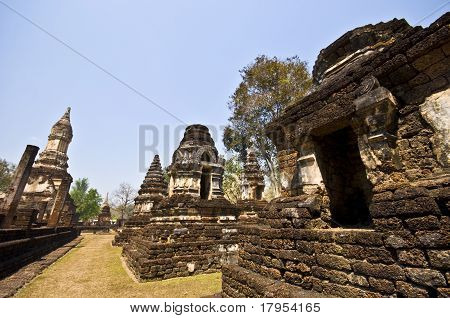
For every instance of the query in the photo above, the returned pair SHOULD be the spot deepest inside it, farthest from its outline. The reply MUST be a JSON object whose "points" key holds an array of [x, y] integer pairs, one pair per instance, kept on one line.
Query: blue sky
{"points": [[184, 55]]}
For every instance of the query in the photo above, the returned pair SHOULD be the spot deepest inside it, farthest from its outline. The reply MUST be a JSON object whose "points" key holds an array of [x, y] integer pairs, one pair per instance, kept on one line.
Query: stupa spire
{"points": [[153, 188], [106, 201], [55, 153], [253, 179]]}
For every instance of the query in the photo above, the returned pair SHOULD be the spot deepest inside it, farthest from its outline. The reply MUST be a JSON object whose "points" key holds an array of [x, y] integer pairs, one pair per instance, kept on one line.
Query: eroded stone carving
{"points": [[374, 123], [436, 111]]}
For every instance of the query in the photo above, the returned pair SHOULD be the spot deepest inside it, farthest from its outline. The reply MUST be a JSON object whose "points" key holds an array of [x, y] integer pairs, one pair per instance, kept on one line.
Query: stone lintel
{"points": [[373, 98]]}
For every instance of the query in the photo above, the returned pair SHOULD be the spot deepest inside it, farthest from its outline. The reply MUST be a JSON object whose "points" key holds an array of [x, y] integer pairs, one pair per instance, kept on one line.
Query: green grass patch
{"points": [[94, 269]]}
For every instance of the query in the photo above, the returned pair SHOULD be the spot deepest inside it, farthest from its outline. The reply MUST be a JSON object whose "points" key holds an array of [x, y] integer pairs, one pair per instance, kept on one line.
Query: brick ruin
{"points": [[184, 226], [364, 161], [252, 188], [47, 189], [37, 214], [104, 218]]}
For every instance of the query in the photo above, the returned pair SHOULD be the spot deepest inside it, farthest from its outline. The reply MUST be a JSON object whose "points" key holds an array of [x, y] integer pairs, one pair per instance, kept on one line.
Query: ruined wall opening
{"points": [[345, 178], [258, 193], [205, 183]]}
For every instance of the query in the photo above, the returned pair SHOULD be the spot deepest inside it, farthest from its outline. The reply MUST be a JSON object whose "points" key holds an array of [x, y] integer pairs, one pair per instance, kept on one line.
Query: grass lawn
{"points": [[94, 269]]}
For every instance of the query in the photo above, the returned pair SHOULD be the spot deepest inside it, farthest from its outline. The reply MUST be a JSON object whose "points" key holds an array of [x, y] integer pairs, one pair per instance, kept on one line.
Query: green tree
{"points": [[268, 86], [86, 199], [6, 174], [231, 179]]}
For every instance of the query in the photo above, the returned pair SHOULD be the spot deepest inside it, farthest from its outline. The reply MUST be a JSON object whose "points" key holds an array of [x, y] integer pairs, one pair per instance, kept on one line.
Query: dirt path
{"points": [[94, 269]]}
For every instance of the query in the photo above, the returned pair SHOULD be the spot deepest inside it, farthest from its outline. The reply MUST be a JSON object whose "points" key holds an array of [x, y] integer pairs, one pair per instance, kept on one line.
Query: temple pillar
{"points": [[17, 185], [58, 205]]}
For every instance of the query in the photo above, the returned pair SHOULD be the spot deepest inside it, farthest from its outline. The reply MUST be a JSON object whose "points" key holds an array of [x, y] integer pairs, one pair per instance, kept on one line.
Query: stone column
{"points": [[288, 169], [58, 205], [17, 185]]}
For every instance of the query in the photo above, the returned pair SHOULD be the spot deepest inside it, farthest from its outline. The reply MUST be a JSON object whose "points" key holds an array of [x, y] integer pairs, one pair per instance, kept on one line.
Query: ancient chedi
{"points": [[153, 189], [365, 175], [252, 185], [252, 188], [196, 166], [104, 218], [192, 229], [39, 188], [47, 190]]}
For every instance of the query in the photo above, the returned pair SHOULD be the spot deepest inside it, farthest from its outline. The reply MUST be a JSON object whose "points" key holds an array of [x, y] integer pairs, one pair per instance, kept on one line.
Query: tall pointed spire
{"points": [[55, 153], [106, 201], [66, 115]]}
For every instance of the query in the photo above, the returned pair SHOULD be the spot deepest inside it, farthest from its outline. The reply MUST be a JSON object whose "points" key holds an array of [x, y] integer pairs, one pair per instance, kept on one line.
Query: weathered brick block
{"points": [[293, 278], [443, 292], [278, 244], [433, 238], [358, 280], [333, 261], [382, 209], [438, 69], [410, 192], [292, 255], [370, 238], [423, 205], [296, 213], [297, 267], [428, 59], [382, 285], [329, 274], [426, 277], [305, 246], [383, 196], [408, 290], [439, 259], [400, 239], [412, 257], [388, 224], [327, 248], [393, 272], [347, 291], [429, 222]]}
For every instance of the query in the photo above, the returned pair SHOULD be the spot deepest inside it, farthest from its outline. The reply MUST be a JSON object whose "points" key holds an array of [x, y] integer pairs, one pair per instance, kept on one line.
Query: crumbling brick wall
{"points": [[341, 262], [169, 250], [182, 236], [19, 247], [403, 142]]}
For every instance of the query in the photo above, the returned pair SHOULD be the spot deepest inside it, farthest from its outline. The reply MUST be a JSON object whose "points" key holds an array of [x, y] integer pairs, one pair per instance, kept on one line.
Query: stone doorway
{"points": [[259, 192], [205, 183], [345, 178]]}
